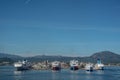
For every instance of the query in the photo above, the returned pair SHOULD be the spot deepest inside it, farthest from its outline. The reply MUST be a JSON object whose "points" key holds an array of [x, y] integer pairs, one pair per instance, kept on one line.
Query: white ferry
{"points": [[22, 65], [56, 66], [74, 65], [99, 65], [89, 67]]}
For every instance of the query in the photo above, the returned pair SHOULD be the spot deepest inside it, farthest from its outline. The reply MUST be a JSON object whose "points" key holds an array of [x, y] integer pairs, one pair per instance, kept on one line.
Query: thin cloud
{"points": [[27, 1], [103, 29]]}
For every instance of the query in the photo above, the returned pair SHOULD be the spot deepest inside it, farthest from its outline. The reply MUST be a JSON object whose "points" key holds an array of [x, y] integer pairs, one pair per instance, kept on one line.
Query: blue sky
{"points": [[59, 27]]}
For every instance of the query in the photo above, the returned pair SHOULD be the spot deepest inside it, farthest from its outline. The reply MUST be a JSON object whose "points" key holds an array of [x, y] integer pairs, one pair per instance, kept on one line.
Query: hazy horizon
{"points": [[59, 27], [40, 54]]}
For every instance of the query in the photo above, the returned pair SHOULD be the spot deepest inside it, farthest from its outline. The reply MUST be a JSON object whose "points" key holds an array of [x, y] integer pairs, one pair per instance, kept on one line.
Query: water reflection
{"points": [[56, 75], [55, 71], [17, 72], [18, 75], [74, 75], [88, 72], [100, 72], [53, 76], [74, 71]]}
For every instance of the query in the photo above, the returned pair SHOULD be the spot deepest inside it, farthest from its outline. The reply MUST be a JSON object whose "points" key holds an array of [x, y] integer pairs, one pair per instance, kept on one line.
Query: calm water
{"points": [[9, 73]]}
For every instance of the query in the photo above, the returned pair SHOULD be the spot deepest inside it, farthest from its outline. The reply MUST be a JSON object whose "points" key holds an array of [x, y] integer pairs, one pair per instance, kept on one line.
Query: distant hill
{"points": [[105, 56], [3, 60], [10, 56], [50, 58]]}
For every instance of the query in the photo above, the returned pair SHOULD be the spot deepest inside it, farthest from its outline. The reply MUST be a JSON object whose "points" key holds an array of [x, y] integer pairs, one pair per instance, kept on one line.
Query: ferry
{"points": [[89, 67], [56, 66], [99, 65], [22, 65], [74, 65]]}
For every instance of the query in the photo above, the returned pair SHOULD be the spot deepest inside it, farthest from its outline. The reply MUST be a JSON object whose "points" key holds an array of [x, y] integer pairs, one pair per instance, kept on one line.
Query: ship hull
{"points": [[56, 68], [24, 65], [22, 68], [89, 69], [100, 68], [74, 68]]}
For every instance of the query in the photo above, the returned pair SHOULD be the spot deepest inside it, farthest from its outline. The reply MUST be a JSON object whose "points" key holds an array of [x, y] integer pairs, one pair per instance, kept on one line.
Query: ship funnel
{"points": [[98, 61]]}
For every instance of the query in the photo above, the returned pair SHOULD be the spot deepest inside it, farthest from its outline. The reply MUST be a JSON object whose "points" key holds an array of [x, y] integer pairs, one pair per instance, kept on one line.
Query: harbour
{"points": [[57, 65], [59, 40], [72, 65]]}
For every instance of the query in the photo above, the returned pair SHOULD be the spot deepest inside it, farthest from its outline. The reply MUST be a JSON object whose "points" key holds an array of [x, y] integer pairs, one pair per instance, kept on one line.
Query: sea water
{"points": [[10, 73]]}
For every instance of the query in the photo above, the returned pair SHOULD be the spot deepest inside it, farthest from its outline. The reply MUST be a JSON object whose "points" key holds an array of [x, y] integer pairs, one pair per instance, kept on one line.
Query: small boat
{"points": [[74, 65], [22, 65], [89, 67], [56, 66], [99, 65]]}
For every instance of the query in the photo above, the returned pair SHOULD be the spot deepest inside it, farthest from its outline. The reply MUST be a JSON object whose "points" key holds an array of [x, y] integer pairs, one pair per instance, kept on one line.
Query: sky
{"points": [[59, 27]]}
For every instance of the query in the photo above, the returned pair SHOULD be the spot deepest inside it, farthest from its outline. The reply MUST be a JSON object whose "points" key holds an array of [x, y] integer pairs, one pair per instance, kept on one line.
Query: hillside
{"points": [[13, 57], [50, 58], [105, 56]]}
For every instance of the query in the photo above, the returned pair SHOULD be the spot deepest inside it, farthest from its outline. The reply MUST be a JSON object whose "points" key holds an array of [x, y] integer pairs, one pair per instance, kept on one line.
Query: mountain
{"points": [[49, 58], [106, 57], [5, 59], [10, 56]]}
